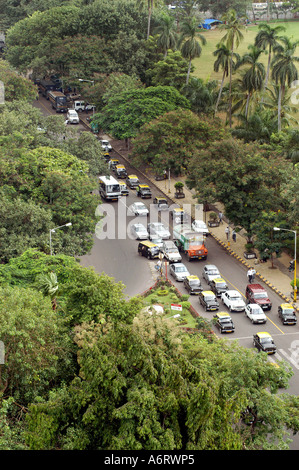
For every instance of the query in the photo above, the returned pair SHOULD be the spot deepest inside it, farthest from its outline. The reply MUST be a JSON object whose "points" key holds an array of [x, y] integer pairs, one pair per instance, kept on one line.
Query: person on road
{"points": [[220, 218], [250, 275], [227, 232]]}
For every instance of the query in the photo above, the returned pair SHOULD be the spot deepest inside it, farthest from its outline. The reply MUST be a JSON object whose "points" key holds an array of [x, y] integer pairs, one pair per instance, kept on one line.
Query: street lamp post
{"points": [[295, 257], [52, 230]]}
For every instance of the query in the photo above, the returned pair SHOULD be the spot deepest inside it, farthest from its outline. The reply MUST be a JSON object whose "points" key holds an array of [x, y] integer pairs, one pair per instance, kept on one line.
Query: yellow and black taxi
{"points": [[224, 322], [218, 286], [192, 284], [178, 214], [113, 162], [132, 181], [263, 341], [208, 300], [120, 171], [161, 203], [148, 249], [287, 315], [144, 191], [123, 188]]}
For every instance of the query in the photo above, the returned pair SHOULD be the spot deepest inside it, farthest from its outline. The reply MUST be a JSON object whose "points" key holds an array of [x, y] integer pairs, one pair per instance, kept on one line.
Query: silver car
{"points": [[138, 208], [210, 272], [179, 271], [157, 228]]}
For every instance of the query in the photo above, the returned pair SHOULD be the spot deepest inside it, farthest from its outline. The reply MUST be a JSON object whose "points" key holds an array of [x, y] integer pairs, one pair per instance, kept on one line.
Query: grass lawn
{"points": [[204, 65]]}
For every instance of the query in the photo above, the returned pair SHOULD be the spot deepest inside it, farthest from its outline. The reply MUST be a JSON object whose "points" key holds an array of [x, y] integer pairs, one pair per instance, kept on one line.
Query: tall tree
{"points": [[167, 35], [232, 38], [267, 39], [223, 54], [189, 45], [284, 70], [253, 77], [150, 4]]}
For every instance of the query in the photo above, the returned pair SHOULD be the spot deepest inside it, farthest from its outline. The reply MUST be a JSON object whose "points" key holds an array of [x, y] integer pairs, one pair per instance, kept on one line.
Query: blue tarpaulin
{"points": [[209, 22]]}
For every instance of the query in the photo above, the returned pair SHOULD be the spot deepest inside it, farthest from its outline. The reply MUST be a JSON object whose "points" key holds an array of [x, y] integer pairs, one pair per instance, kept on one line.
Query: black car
{"points": [[264, 342], [287, 314], [218, 286], [208, 300], [192, 284], [224, 322]]}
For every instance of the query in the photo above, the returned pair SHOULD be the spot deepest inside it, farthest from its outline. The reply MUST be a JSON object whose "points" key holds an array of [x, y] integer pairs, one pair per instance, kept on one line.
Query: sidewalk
{"points": [[277, 278]]}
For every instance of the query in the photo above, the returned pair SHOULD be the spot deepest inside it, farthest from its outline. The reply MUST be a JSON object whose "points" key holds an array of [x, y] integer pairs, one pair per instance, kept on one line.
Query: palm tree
{"points": [[223, 54], [47, 283], [150, 7], [201, 94], [287, 109], [284, 70], [268, 38], [254, 75], [167, 36], [233, 26], [188, 43]]}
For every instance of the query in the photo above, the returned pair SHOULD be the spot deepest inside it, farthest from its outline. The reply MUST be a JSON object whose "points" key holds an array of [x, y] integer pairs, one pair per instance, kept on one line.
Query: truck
{"points": [[45, 86], [80, 106], [58, 101], [189, 242]]}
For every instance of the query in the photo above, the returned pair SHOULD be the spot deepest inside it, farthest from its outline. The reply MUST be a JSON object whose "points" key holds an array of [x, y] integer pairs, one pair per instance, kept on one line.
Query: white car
{"points": [[157, 228], [139, 231], [106, 145], [233, 300], [210, 272], [156, 240], [72, 116], [138, 208], [255, 313], [200, 227], [179, 271]]}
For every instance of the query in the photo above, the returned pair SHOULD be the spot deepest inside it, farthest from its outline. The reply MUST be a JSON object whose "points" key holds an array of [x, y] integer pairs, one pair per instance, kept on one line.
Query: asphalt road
{"points": [[117, 257]]}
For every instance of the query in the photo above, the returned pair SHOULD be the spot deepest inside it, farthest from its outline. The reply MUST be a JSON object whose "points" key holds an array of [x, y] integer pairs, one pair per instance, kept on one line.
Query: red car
{"points": [[256, 294]]}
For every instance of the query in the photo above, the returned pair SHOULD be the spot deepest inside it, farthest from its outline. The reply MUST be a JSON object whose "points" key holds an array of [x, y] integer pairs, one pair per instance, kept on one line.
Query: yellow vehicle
{"points": [[132, 181], [144, 191], [123, 188]]}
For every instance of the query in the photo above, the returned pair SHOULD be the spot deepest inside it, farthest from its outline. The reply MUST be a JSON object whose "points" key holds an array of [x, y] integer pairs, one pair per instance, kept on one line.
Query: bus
{"points": [[58, 101], [109, 188]]}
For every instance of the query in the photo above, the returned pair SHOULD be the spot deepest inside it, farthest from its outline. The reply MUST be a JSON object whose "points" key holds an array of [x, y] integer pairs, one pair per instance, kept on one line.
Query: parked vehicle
{"points": [[287, 315], [192, 284], [208, 300], [148, 249], [263, 341], [255, 313], [224, 322], [109, 188], [72, 116], [170, 251], [256, 294], [58, 101], [233, 300], [191, 243]]}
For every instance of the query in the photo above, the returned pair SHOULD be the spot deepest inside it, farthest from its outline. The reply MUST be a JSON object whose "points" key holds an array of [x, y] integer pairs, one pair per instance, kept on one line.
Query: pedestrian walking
{"points": [[227, 232], [250, 275], [234, 235], [253, 274], [220, 218]]}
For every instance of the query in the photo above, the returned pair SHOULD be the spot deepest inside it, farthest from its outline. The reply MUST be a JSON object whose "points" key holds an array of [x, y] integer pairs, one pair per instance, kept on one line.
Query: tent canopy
{"points": [[210, 22]]}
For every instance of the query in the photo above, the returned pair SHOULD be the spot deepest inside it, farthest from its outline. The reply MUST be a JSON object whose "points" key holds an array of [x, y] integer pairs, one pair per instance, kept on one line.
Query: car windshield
{"points": [[180, 269], [139, 228], [220, 284], [260, 295], [140, 205], [213, 271], [267, 340], [154, 250], [112, 188], [255, 311], [288, 311], [209, 297], [235, 297]]}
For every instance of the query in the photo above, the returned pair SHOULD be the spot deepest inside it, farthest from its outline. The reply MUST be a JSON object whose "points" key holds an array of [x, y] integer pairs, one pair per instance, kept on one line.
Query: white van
{"points": [[72, 116], [171, 252]]}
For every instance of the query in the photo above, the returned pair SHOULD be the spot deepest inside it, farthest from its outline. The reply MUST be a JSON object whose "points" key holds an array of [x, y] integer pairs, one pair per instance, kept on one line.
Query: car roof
{"points": [[256, 287], [192, 276], [132, 176], [287, 305], [175, 265], [207, 292], [218, 279], [232, 291], [222, 315], [144, 186], [263, 334], [210, 266]]}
